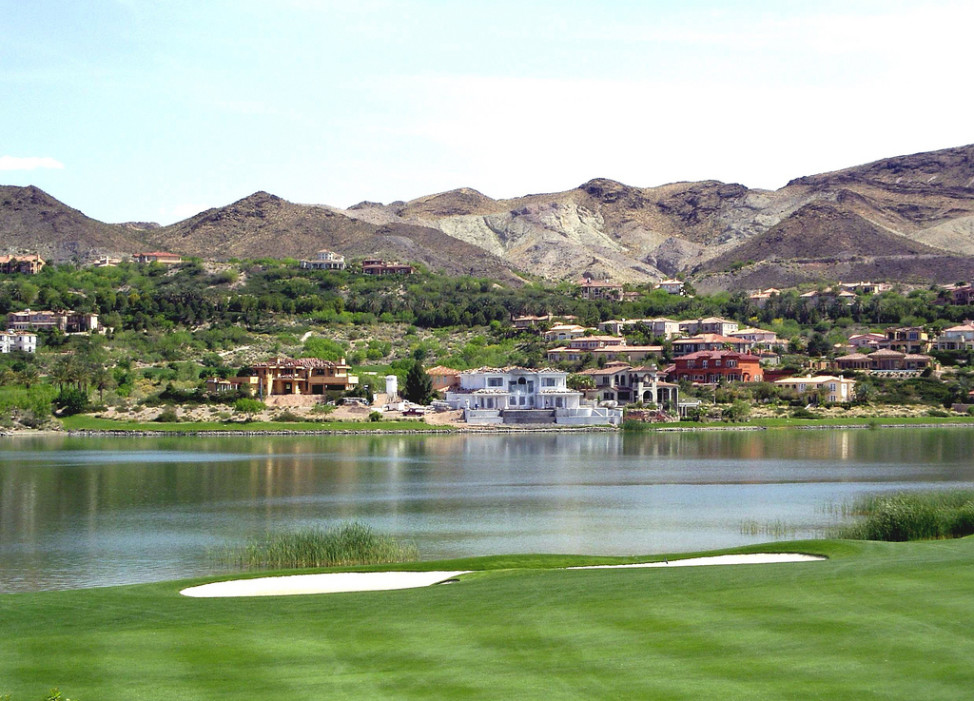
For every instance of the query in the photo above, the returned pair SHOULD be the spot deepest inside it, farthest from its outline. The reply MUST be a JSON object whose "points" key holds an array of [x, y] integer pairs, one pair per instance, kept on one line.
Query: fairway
{"points": [[875, 621]]}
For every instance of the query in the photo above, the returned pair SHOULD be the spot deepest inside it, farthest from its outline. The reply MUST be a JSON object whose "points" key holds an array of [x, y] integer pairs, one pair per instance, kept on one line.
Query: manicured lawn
{"points": [[877, 621], [80, 422]]}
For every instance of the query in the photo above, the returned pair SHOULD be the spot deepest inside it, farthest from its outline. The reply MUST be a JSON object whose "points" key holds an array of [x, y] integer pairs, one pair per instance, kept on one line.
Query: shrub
{"points": [[249, 406], [348, 544], [167, 415], [375, 416], [737, 412], [911, 516], [71, 401], [288, 416]]}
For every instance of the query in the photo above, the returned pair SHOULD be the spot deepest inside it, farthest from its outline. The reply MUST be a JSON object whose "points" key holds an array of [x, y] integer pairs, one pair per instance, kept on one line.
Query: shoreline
{"points": [[461, 430]]}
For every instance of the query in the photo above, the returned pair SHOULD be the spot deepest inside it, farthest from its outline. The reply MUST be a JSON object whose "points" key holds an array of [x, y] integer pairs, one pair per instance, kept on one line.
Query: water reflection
{"points": [[85, 512]]}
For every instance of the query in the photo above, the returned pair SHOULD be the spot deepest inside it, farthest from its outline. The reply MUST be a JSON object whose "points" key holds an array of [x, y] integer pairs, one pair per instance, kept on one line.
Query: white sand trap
{"points": [[333, 583], [743, 559], [330, 583]]}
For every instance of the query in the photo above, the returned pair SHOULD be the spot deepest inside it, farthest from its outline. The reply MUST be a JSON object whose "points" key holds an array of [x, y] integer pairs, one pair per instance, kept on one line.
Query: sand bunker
{"points": [[743, 559], [333, 583]]}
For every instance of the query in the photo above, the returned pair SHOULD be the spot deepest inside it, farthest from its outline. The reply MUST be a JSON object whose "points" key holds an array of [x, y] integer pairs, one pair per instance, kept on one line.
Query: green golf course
{"points": [[874, 621]]}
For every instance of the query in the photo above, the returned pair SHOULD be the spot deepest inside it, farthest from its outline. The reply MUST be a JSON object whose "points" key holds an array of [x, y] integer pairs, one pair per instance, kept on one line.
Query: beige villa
{"points": [[289, 376]]}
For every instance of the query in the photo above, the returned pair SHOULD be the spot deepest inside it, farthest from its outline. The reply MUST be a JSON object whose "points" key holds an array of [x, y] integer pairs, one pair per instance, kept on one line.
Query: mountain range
{"points": [[908, 218]]}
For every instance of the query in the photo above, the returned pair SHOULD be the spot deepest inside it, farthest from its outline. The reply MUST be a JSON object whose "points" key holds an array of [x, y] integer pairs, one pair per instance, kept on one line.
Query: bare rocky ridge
{"points": [[33, 221], [909, 217]]}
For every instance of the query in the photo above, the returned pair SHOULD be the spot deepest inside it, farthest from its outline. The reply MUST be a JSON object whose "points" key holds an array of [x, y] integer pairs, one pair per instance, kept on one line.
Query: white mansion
{"points": [[520, 395]]}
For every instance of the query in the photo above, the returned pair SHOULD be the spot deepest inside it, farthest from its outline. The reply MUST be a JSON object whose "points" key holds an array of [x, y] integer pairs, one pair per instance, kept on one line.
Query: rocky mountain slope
{"points": [[33, 221], [265, 225], [904, 218]]}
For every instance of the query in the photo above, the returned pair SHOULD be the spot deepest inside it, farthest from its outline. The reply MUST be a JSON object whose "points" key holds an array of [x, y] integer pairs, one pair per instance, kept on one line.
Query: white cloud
{"points": [[28, 163]]}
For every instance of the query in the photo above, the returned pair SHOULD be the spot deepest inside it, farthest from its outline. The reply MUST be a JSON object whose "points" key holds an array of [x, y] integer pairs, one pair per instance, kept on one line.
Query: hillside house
{"points": [[815, 298], [866, 288], [519, 395], [565, 332], [295, 377], [662, 328], [709, 342], [325, 260], [885, 361], [23, 264], [160, 257], [377, 266], [671, 286], [907, 339], [625, 384], [832, 389], [760, 298], [756, 338], [716, 366], [711, 324], [444, 379], [960, 337], [866, 340], [600, 289], [64, 320], [622, 352], [11, 341], [962, 295]]}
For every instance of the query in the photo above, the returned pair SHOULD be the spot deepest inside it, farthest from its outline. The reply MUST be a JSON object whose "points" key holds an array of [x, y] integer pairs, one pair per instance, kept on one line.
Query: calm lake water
{"points": [[82, 512]]}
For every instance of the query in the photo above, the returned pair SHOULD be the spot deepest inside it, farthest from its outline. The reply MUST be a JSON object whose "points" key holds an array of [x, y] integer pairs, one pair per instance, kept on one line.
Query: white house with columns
{"points": [[518, 395]]}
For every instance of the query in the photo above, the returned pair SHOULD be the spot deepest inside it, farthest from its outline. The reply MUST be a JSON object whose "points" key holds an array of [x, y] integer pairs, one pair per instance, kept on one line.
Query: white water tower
{"points": [[392, 388]]}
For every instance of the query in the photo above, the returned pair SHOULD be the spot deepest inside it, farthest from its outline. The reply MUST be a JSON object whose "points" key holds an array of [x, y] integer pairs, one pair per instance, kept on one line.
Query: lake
{"points": [[83, 512]]}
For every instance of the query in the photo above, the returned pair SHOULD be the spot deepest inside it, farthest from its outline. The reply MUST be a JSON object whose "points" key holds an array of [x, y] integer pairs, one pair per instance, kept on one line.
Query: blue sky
{"points": [[154, 110]]}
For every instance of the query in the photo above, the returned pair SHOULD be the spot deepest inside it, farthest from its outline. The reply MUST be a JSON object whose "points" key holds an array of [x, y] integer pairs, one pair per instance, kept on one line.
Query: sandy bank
{"points": [[333, 583]]}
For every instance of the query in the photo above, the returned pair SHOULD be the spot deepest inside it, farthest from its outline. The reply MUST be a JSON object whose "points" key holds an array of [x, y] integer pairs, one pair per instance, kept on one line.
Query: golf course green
{"points": [[874, 621]]}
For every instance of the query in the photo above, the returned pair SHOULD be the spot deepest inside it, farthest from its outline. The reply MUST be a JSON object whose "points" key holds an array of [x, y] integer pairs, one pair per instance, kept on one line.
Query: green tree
{"points": [[419, 385]]}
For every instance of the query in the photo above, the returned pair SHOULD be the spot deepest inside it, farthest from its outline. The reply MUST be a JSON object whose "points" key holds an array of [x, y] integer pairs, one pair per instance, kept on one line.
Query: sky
{"points": [[154, 110]]}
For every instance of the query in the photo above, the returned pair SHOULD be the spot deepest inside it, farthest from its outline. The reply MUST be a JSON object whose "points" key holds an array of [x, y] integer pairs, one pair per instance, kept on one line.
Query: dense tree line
{"points": [[133, 297]]}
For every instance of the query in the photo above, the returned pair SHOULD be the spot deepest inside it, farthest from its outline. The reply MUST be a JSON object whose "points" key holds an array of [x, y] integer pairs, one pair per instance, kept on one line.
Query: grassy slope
{"points": [[877, 621]]}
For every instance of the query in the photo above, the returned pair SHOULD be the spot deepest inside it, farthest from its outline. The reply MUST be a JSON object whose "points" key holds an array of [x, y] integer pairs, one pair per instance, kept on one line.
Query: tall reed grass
{"points": [[348, 544], [904, 516]]}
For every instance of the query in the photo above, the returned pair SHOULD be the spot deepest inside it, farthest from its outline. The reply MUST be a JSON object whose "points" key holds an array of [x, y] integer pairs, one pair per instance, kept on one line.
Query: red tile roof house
{"points": [[885, 361], [868, 340], [26, 264], [708, 342], [715, 366], [444, 378], [598, 289]]}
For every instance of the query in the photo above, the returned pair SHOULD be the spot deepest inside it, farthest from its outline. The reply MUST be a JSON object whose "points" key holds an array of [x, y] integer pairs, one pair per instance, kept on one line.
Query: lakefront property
{"points": [[524, 396]]}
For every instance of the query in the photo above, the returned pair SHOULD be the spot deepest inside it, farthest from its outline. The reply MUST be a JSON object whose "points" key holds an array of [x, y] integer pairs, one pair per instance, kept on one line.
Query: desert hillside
{"points": [[905, 218]]}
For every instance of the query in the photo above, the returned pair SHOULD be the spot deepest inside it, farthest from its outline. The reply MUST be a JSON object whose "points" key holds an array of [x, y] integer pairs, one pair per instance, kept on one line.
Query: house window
{"points": [[548, 382], [495, 381]]}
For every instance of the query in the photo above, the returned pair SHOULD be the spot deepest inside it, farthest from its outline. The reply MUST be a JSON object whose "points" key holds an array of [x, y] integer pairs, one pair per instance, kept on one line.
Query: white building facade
{"points": [[18, 341], [524, 396]]}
